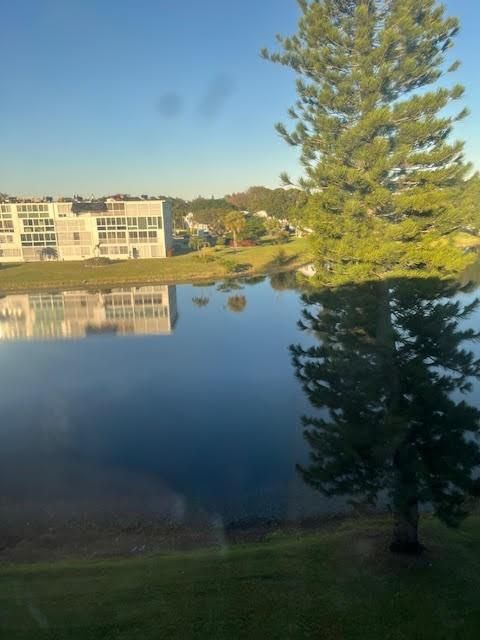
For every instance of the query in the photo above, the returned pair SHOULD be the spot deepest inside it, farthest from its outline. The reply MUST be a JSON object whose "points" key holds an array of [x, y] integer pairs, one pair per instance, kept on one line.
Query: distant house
{"points": [[301, 232], [195, 226]]}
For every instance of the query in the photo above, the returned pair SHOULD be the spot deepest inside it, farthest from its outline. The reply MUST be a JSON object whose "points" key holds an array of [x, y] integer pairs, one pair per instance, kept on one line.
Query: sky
{"points": [[159, 96]]}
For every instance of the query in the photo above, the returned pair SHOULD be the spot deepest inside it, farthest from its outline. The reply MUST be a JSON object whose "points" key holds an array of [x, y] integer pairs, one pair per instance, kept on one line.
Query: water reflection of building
{"points": [[77, 314]]}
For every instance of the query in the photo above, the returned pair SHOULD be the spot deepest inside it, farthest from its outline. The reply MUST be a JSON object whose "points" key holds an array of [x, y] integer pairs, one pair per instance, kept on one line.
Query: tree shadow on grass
{"points": [[243, 267], [10, 266], [281, 260]]}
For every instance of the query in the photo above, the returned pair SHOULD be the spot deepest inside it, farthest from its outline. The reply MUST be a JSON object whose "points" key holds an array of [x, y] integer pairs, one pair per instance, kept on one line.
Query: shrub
{"points": [[281, 257], [229, 265], [97, 262]]}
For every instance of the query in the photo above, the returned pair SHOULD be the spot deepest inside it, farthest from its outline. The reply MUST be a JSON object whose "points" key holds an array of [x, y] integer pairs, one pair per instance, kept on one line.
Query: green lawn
{"points": [[338, 584], [185, 268]]}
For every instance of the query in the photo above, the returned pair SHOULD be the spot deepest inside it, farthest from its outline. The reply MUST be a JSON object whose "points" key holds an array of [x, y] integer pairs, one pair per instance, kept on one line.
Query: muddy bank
{"points": [[94, 540]]}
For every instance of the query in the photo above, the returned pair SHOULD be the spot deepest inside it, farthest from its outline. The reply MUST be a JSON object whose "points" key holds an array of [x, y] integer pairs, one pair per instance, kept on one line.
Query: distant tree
{"points": [[179, 211], [373, 129], [387, 376], [235, 223], [202, 204], [254, 229], [278, 203], [237, 304]]}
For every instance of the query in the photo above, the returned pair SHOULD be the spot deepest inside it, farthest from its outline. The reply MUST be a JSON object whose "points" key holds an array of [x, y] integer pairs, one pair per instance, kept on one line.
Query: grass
{"points": [[467, 240], [179, 269], [339, 584]]}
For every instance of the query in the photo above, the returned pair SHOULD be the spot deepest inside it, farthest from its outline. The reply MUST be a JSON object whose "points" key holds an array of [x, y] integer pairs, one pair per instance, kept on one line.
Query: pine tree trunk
{"points": [[405, 529], [405, 504]]}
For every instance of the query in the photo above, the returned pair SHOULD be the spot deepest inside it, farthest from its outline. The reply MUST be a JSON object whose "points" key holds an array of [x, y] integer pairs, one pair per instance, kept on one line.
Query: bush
{"points": [[281, 257], [197, 242], [97, 262], [206, 257], [229, 265], [206, 253]]}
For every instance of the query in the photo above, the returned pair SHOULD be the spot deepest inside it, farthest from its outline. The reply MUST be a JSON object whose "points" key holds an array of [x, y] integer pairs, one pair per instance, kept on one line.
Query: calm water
{"points": [[154, 402]]}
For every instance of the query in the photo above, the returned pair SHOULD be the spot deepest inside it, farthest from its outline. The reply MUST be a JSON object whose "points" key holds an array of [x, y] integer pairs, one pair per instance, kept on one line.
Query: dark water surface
{"points": [[154, 403], [155, 400]]}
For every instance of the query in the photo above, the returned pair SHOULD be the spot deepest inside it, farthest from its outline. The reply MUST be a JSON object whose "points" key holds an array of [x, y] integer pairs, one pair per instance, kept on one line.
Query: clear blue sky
{"points": [[158, 96]]}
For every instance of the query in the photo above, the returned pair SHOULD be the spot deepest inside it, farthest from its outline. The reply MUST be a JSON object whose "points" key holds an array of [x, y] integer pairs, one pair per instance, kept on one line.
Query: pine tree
{"points": [[468, 201], [373, 129], [387, 376]]}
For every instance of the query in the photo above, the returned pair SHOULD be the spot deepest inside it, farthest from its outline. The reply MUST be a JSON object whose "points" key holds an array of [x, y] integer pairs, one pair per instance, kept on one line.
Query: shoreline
{"points": [[95, 541], [185, 269]]}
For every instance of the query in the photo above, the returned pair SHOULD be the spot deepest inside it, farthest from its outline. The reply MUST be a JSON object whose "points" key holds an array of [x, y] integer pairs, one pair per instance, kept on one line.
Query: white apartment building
{"points": [[78, 230]]}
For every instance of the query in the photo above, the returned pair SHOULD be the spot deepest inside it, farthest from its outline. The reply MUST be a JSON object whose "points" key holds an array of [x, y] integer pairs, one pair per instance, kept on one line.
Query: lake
{"points": [[157, 404]]}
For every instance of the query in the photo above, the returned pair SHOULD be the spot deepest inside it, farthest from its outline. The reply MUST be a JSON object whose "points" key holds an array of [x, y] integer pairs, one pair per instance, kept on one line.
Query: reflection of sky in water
{"points": [[207, 417], [210, 412]]}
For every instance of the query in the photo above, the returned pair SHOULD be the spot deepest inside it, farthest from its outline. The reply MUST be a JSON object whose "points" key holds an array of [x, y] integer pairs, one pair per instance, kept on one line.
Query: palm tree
{"points": [[235, 223]]}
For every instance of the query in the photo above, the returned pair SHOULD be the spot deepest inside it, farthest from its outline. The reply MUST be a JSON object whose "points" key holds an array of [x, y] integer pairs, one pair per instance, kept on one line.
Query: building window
{"points": [[76, 236]]}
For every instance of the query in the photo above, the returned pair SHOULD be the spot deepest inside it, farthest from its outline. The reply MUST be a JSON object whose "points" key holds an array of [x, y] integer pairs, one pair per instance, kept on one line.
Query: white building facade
{"points": [[116, 229]]}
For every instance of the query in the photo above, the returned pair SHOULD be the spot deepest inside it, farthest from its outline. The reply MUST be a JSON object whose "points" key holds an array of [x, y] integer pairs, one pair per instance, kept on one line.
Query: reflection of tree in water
{"points": [[228, 286], [201, 301], [387, 374], [237, 304], [252, 280], [284, 280]]}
